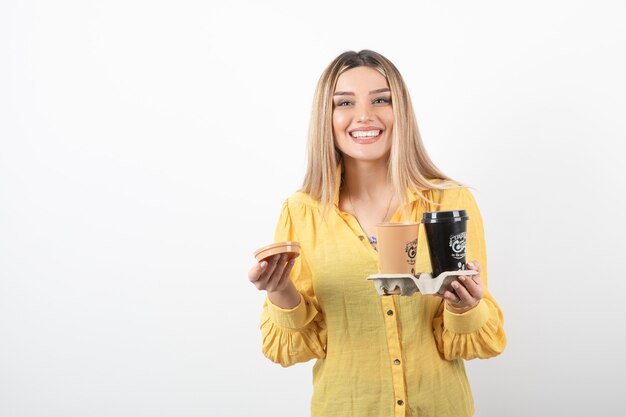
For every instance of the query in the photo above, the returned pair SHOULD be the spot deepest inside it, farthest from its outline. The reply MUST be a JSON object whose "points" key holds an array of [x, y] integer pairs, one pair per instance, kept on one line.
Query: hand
{"points": [[468, 291], [272, 275]]}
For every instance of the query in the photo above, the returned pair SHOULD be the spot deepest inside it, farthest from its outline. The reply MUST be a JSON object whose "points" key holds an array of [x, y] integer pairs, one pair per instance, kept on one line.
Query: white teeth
{"points": [[365, 133]]}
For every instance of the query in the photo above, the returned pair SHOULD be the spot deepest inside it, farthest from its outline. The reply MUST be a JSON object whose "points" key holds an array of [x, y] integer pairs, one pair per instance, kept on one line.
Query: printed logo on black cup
{"points": [[411, 251], [457, 243]]}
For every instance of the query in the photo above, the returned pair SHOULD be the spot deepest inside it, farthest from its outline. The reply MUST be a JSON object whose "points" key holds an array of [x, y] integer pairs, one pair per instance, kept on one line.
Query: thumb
{"points": [[257, 270], [474, 265]]}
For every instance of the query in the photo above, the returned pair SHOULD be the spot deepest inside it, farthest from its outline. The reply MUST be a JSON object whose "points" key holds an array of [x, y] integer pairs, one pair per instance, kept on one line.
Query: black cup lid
{"points": [[450, 216]]}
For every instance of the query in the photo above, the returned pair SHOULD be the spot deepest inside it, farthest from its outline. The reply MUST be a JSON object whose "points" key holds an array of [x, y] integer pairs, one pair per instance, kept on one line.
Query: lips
{"points": [[365, 133], [366, 136]]}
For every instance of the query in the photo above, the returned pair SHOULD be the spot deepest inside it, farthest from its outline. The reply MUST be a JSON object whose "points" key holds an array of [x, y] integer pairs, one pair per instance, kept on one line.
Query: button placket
{"points": [[356, 228], [395, 353]]}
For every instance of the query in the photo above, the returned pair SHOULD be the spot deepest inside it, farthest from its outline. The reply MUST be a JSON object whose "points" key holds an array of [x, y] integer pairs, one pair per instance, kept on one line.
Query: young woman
{"points": [[375, 356]]}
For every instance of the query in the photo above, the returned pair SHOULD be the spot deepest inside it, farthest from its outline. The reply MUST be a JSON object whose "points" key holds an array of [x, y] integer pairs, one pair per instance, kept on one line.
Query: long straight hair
{"points": [[410, 169]]}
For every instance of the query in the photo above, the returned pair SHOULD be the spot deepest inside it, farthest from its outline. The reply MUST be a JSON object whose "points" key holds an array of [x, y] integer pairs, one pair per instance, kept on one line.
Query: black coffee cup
{"points": [[446, 232]]}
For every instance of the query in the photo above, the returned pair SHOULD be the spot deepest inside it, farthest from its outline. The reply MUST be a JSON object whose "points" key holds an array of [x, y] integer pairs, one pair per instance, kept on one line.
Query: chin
{"points": [[369, 152], [367, 157]]}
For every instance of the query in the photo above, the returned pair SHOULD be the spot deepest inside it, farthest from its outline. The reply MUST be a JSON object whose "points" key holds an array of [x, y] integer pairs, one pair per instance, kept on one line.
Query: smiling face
{"points": [[362, 115]]}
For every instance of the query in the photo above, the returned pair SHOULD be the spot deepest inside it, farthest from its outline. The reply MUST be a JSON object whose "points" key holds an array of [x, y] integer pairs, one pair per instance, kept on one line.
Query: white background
{"points": [[147, 146]]}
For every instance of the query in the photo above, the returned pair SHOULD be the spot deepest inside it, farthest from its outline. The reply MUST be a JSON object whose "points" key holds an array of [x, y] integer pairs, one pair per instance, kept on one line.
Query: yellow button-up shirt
{"points": [[377, 356]]}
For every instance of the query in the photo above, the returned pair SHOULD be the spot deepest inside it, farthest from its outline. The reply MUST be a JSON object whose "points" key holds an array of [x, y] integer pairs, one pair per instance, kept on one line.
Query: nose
{"points": [[364, 113]]}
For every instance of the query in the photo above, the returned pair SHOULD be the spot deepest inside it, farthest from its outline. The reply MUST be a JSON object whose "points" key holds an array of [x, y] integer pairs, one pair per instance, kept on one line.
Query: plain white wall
{"points": [[147, 146]]}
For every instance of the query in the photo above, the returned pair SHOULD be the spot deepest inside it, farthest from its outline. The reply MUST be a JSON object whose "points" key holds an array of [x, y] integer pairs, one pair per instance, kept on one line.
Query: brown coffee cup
{"points": [[397, 247]]}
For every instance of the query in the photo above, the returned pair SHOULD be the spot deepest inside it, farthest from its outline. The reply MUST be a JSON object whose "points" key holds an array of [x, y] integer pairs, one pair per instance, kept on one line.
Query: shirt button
{"points": [[361, 237], [390, 312], [396, 362], [400, 402]]}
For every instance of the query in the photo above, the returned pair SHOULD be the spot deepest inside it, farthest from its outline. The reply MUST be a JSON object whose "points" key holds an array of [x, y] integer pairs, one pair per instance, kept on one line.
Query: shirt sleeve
{"points": [[479, 332], [298, 334]]}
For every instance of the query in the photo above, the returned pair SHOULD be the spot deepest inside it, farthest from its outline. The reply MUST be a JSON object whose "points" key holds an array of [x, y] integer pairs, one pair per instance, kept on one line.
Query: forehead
{"points": [[361, 79]]}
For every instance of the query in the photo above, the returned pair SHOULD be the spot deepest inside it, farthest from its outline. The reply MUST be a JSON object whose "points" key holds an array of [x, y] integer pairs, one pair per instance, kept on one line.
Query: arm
{"points": [[292, 325], [476, 332]]}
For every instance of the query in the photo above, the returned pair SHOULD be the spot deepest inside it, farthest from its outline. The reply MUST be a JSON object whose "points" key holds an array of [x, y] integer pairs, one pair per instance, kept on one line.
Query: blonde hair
{"points": [[410, 168]]}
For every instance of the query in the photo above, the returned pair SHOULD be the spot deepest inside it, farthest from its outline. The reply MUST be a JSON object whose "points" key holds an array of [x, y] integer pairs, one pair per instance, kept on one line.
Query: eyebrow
{"points": [[350, 93]]}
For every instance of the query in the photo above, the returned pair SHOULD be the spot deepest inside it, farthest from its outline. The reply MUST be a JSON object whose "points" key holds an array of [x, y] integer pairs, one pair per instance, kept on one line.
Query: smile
{"points": [[365, 133], [366, 137]]}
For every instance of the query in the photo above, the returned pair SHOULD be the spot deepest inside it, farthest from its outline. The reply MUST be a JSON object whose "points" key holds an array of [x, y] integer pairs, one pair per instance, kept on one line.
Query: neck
{"points": [[366, 180]]}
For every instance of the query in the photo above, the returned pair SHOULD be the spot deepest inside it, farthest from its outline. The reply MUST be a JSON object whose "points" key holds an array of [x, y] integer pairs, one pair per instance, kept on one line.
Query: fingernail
{"points": [[291, 262], [471, 264], [461, 278], [455, 284], [263, 265]]}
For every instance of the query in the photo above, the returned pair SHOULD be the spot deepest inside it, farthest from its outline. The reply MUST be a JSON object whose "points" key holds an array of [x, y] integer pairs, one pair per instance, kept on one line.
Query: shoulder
{"points": [[451, 195], [297, 217], [444, 188], [300, 199], [299, 206]]}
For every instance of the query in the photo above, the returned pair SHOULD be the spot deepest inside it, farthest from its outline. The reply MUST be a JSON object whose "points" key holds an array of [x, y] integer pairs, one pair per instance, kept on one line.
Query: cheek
{"points": [[388, 119], [339, 122]]}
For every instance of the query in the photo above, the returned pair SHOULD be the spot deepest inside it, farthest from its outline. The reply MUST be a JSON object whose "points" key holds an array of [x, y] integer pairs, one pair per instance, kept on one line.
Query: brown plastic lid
{"points": [[289, 247]]}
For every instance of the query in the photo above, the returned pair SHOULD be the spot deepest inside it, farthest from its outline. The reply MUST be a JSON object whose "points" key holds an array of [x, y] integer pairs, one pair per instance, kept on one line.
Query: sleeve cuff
{"points": [[467, 322], [293, 318]]}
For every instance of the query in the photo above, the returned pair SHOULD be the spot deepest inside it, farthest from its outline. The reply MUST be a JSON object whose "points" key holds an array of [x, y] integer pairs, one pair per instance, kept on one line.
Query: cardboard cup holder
{"points": [[408, 284]]}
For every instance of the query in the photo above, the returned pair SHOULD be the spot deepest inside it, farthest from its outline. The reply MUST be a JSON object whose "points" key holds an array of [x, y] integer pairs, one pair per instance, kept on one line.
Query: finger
{"points": [[261, 283], [256, 271], [286, 273], [271, 265], [451, 297], [477, 279], [462, 293], [280, 267], [474, 266], [475, 289], [288, 269], [274, 279]]}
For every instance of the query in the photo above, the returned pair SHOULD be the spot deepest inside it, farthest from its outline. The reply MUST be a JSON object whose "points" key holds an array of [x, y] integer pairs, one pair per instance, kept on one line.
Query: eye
{"points": [[343, 103], [382, 100]]}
